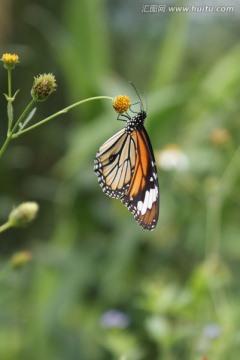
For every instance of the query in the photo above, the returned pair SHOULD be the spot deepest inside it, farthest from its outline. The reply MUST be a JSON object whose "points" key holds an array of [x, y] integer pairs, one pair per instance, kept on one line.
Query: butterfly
{"points": [[126, 169]]}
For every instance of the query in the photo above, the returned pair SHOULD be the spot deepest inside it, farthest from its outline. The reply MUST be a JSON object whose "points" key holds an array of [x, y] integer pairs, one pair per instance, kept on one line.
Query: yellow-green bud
{"points": [[21, 258], [43, 86], [23, 214]]}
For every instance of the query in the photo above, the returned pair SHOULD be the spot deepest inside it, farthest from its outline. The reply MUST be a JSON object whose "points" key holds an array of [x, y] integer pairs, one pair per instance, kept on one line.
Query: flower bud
{"points": [[43, 86], [220, 137], [121, 103], [23, 214], [21, 258], [9, 60]]}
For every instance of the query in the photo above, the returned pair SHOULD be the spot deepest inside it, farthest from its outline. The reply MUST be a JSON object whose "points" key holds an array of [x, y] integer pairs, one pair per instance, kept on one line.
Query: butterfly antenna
{"points": [[137, 94], [145, 101]]}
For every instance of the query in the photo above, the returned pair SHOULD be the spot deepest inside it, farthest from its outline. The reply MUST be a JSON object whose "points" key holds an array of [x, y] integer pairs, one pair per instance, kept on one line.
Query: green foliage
{"points": [[177, 286]]}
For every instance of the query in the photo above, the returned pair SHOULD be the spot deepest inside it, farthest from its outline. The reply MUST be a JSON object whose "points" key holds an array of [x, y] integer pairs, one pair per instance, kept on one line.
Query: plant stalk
{"points": [[63, 111], [5, 226]]}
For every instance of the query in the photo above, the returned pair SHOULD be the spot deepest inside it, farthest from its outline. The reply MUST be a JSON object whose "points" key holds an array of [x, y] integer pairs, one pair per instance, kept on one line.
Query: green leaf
{"points": [[28, 118], [10, 115], [14, 96]]}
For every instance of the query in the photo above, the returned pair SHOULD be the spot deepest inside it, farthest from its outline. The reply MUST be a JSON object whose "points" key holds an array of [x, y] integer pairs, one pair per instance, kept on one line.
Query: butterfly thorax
{"points": [[135, 122]]}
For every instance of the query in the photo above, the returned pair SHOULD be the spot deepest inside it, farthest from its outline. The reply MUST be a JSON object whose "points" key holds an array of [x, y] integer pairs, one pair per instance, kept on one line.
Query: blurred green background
{"points": [[99, 287]]}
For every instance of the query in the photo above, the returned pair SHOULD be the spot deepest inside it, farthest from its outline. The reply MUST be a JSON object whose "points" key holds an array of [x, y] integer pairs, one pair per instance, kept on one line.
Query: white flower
{"points": [[172, 158]]}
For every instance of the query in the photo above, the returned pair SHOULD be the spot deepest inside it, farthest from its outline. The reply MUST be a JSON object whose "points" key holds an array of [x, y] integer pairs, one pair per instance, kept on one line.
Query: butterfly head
{"points": [[142, 114]]}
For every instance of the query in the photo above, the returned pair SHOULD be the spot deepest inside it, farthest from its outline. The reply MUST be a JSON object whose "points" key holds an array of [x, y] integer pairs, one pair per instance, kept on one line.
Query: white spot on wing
{"points": [[150, 198], [139, 205], [145, 203]]}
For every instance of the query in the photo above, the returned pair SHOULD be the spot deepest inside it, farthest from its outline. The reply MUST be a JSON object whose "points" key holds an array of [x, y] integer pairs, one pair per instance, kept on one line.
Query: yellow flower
{"points": [[121, 103], [9, 60], [43, 86]]}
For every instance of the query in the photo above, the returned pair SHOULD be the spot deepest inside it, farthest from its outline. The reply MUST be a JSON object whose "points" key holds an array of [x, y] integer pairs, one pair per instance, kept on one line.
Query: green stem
{"points": [[10, 135], [63, 111], [220, 301], [9, 101], [9, 84], [230, 175], [213, 230], [216, 201], [25, 112], [5, 226]]}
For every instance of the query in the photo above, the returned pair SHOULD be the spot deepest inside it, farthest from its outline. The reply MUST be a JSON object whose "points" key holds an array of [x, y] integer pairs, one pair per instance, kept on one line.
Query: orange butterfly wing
{"points": [[142, 197], [126, 170]]}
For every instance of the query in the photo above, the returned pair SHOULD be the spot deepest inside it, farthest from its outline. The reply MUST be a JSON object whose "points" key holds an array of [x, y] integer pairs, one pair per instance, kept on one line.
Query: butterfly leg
{"points": [[122, 117]]}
